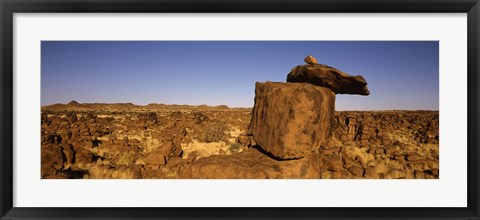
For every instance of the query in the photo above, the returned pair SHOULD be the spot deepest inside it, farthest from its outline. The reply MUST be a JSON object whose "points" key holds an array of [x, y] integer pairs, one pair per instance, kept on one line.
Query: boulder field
{"points": [[293, 131]]}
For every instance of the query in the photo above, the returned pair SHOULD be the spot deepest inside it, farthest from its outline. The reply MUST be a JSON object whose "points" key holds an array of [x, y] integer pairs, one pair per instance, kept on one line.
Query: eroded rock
{"points": [[329, 77], [251, 164], [291, 120], [155, 158]]}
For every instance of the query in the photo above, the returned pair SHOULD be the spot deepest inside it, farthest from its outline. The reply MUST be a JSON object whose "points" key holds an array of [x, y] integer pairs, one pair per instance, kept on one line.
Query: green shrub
{"points": [[234, 147], [214, 132]]}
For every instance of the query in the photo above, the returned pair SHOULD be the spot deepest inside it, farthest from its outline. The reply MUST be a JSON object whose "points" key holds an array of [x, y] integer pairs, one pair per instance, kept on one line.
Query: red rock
{"points": [[251, 164], [389, 151], [380, 150], [371, 173], [52, 154], [69, 155], [245, 139], [348, 162], [330, 151], [329, 77], [310, 60], [52, 159], [413, 158], [356, 170], [171, 149], [291, 120], [83, 156], [429, 176], [333, 163], [175, 161], [332, 144], [397, 153], [419, 174], [155, 158]]}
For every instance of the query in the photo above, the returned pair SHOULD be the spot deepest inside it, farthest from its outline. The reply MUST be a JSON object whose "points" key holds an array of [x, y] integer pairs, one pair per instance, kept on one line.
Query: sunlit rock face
{"points": [[328, 77], [291, 120]]}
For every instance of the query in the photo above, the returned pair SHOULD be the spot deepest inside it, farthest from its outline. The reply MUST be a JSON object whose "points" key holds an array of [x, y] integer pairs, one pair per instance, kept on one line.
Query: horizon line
{"points": [[221, 105]]}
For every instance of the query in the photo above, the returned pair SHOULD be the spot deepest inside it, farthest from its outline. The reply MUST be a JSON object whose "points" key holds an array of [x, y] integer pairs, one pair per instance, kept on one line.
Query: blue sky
{"points": [[401, 75]]}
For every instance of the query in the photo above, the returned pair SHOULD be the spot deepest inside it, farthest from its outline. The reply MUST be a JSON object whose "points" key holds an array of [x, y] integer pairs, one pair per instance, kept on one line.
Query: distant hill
{"points": [[75, 106]]}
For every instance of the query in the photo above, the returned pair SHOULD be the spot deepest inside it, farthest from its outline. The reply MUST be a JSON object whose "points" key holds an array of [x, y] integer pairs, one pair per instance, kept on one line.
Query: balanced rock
{"points": [[291, 120], [329, 77]]}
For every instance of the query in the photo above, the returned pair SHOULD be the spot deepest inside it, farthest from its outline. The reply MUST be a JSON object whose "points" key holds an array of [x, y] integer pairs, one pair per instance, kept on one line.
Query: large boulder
{"points": [[155, 158], [170, 149], [291, 120], [83, 156], [52, 159], [329, 77]]}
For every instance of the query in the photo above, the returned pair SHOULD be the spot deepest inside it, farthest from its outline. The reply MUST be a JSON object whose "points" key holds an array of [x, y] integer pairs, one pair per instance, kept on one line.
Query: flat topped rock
{"points": [[329, 77], [251, 164], [291, 120]]}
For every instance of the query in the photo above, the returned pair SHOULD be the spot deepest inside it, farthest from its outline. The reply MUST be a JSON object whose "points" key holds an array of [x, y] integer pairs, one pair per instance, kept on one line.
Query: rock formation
{"points": [[310, 60], [252, 164], [293, 131], [291, 120], [329, 77]]}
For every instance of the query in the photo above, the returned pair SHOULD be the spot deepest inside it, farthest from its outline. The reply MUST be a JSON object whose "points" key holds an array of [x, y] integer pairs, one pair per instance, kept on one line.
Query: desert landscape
{"points": [[293, 131]]}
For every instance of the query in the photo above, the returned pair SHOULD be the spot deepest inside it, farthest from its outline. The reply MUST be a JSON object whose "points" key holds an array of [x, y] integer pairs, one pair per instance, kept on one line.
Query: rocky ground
{"points": [[292, 131], [160, 141]]}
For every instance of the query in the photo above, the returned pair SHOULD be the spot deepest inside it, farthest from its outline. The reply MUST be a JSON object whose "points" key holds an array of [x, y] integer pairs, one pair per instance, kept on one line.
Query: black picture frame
{"points": [[9, 7]]}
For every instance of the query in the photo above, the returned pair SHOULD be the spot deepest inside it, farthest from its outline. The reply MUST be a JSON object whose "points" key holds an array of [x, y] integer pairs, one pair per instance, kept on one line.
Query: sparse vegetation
{"points": [[214, 132], [113, 142], [235, 147], [125, 159]]}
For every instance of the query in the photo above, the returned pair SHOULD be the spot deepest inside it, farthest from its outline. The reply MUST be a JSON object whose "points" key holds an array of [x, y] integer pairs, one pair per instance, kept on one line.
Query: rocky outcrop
{"points": [[328, 77], [291, 120], [251, 164], [52, 159]]}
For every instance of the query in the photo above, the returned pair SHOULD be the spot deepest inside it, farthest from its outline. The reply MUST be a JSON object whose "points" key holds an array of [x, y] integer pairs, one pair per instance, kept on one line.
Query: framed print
{"points": [[257, 110]]}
